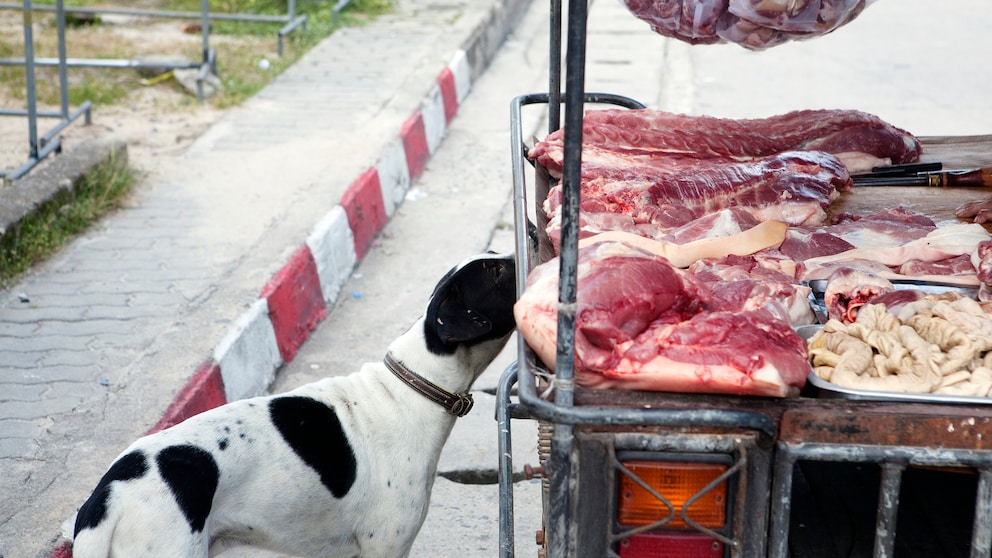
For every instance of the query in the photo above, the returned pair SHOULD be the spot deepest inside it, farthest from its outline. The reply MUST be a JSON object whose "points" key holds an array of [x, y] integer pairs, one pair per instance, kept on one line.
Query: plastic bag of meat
{"points": [[692, 21], [752, 24]]}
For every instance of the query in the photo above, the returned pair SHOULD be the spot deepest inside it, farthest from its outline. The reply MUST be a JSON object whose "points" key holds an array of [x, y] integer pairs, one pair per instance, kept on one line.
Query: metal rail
{"points": [[39, 148], [291, 19], [208, 63]]}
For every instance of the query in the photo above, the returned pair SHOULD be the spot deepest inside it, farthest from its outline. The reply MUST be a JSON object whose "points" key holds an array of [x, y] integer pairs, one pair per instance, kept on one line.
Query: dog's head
{"points": [[472, 304]]}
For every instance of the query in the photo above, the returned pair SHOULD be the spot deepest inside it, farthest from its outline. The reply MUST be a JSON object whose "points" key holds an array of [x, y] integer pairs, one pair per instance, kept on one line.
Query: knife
{"points": [[972, 177], [906, 169]]}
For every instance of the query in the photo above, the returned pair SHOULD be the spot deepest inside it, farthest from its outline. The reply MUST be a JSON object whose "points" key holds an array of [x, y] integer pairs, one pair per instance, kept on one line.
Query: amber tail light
{"points": [[664, 490], [673, 508]]}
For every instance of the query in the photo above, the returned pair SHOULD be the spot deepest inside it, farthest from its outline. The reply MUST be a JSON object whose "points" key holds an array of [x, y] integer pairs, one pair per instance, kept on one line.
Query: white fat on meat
{"points": [[768, 234], [940, 244]]}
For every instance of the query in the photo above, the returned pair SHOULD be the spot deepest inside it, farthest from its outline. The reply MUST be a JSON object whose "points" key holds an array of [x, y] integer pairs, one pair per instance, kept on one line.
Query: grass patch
{"points": [[39, 234]]}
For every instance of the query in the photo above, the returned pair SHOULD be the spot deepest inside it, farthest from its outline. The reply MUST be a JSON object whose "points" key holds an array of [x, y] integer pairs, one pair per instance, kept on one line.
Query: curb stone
{"points": [[56, 180]]}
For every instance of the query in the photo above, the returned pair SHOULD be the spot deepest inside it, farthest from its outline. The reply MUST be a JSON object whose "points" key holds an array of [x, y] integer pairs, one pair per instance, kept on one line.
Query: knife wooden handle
{"points": [[977, 177]]}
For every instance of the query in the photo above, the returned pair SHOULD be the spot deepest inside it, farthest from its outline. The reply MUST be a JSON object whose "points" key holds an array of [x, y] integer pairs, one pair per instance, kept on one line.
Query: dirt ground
{"points": [[158, 121], [154, 135]]}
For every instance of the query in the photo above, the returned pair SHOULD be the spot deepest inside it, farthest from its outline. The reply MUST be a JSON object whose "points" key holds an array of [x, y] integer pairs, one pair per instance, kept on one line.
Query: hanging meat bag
{"points": [[752, 24]]}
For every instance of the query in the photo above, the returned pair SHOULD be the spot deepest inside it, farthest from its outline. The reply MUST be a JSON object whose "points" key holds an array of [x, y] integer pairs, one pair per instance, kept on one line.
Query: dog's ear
{"points": [[473, 302]]}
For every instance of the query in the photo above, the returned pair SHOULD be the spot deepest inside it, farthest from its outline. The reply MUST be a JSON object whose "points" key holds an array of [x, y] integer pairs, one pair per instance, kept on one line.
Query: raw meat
{"points": [[940, 244], [849, 289], [936, 344], [650, 132], [719, 224], [801, 245], [958, 265], [884, 228], [740, 284], [887, 227], [643, 324], [980, 211], [652, 195]]}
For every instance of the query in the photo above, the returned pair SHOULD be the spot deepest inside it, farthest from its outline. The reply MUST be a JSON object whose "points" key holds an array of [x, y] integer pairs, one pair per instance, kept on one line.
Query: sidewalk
{"points": [[172, 299]]}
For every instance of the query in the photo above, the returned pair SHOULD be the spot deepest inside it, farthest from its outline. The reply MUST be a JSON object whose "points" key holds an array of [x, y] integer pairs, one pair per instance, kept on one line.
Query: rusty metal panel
{"points": [[882, 424]]}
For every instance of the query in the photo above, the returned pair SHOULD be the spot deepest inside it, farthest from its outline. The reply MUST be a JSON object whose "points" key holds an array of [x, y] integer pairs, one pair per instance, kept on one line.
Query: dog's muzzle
{"points": [[458, 404]]}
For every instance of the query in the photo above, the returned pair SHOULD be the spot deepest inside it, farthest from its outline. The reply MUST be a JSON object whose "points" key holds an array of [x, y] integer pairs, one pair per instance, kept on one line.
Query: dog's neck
{"points": [[455, 372]]}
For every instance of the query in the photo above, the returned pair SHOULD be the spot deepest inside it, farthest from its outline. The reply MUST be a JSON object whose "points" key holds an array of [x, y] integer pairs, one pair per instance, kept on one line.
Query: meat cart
{"points": [[806, 476]]}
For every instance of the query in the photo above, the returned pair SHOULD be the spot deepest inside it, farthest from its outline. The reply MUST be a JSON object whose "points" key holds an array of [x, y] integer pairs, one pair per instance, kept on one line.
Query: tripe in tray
{"points": [[939, 344]]}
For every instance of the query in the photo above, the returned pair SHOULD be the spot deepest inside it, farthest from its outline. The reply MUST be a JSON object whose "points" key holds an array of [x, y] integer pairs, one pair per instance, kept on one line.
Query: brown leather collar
{"points": [[458, 404]]}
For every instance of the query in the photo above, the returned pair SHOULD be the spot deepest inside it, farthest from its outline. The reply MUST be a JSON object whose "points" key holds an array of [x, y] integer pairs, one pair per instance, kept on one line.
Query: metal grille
{"points": [[893, 461]]}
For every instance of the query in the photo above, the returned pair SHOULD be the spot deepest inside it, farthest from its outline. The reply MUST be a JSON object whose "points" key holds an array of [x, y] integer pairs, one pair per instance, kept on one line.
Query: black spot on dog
{"points": [[94, 509], [222, 443], [314, 432], [192, 476]]}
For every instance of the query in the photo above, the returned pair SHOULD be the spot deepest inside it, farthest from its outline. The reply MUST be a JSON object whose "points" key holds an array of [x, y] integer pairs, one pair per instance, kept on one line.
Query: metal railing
{"points": [[290, 19], [41, 147]]}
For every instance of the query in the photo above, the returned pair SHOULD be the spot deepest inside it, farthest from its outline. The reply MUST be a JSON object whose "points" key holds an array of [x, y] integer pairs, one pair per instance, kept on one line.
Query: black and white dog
{"points": [[340, 467]]}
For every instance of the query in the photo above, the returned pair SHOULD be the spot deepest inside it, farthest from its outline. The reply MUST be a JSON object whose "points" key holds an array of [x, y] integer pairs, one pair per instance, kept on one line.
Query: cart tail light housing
{"points": [[681, 485], [673, 506]]}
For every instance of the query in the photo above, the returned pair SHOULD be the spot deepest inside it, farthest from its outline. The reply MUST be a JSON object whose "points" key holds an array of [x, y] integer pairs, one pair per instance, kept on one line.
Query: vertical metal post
{"points": [[888, 508], [554, 71], [563, 457], [781, 500], [505, 445], [205, 26], [63, 77], [30, 82], [981, 531]]}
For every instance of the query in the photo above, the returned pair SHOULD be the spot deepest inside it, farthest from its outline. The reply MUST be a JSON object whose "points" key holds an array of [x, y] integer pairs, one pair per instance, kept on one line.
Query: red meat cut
{"points": [[643, 324], [651, 195], [847, 134]]}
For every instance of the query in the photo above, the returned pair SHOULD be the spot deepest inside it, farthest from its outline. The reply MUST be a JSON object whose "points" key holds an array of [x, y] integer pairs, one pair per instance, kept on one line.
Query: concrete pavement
{"points": [[177, 303]]}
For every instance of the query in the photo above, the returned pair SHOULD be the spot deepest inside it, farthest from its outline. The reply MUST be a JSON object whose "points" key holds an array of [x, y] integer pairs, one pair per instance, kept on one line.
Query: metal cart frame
{"points": [[586, 433]]}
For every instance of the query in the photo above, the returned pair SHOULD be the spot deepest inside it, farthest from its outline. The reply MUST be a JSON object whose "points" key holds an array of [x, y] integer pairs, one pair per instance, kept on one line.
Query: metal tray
{"points": [[827, 390], [819, 286]]}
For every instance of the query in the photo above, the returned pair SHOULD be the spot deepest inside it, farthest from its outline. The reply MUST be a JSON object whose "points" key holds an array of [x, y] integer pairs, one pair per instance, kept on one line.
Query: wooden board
{"points": [[957, 152]]}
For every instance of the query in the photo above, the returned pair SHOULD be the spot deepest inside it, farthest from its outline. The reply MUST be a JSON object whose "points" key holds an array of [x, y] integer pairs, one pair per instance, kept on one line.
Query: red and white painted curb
{"points": [[298, 296]]}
